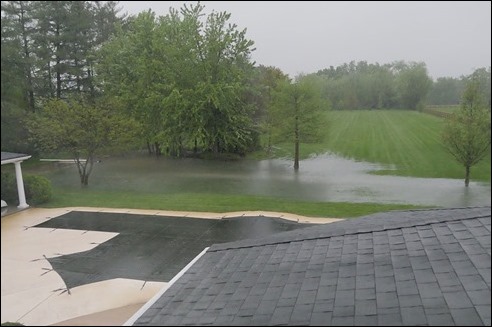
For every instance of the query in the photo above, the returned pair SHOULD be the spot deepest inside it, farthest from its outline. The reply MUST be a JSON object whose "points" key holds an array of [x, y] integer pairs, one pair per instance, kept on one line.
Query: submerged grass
{"points": [[409, 140], [216, 203]]}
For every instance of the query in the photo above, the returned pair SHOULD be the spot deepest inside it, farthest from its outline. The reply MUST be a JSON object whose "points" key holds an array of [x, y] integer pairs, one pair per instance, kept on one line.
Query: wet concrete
{"points": [[149, 248]]}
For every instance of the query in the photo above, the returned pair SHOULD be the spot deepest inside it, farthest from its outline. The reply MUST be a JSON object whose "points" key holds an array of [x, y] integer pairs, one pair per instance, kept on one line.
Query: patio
{"points": [[45, 282]]}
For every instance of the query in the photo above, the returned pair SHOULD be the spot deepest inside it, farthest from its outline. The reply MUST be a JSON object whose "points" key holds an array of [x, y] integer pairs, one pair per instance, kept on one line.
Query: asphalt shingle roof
{"points": [[422, 267]]}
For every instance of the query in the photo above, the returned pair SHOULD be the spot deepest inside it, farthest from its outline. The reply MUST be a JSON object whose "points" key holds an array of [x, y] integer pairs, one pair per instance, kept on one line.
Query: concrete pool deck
{"points": [[34, 294]]}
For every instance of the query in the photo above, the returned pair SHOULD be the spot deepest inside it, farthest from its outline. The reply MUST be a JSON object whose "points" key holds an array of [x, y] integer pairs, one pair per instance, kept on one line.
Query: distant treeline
{"points": [[397, 85]]}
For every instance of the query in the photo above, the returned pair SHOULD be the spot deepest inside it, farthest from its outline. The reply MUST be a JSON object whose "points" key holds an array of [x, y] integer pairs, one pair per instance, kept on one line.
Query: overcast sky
{"points": [[452, 38]]}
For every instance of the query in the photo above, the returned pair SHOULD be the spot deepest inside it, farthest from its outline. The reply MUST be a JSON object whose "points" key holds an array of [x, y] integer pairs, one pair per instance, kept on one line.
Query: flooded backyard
{"points": [[326, 178]]}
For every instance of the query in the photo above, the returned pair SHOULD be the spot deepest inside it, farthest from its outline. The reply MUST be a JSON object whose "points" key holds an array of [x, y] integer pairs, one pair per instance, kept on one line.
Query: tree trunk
{"points": [[84, 180], [84, 168], [58, 63], [157, 149], [77, 78], [467, 175], [296, 144], [50, 78], [27, 57], [216, 148], [296, 134], [149, 148], [91, 84]]}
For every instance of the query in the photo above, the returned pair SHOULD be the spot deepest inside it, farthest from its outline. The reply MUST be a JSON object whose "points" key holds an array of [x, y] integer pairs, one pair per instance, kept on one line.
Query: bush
{"points": [[9, 187], [38, 189]]}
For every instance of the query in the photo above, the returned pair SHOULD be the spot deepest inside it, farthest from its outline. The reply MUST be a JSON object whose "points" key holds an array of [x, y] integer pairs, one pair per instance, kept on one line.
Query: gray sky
{"points": [[452, 38]]}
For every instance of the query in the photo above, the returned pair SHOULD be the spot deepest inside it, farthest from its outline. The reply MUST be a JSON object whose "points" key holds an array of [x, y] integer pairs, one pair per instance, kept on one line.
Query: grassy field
{"points": [[215, 203], [407, 139]]}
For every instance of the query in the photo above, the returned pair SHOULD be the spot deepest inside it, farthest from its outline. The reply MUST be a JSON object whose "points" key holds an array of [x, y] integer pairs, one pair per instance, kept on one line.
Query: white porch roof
{"points": [[10, 157], [16, 159]]}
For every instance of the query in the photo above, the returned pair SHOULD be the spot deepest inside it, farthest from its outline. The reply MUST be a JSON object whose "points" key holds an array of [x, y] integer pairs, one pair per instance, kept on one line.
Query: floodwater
{"points": [[326, 178]]}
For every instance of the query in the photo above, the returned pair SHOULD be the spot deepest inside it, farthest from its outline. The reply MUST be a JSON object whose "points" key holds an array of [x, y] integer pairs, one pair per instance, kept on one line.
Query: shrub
{"points": [[38, 189], [9, 187]]}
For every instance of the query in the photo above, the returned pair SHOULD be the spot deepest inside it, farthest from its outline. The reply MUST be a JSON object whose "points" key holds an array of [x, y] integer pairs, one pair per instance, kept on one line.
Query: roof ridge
{"points": [[334, 229]]}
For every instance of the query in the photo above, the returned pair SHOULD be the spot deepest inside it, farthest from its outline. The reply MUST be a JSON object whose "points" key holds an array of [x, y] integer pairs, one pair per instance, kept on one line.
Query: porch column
{"points": [[20, 186]]}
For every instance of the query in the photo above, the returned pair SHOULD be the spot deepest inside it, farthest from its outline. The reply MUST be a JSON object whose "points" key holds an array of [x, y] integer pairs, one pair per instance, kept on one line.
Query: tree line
{"points": [[78, 76], [49, 50], [361, 85]]}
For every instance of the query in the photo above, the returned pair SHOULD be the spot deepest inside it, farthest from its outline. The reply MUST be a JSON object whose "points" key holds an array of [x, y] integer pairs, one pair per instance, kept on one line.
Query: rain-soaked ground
{"points": [[150, 248], [323, 178], [157, 248]]}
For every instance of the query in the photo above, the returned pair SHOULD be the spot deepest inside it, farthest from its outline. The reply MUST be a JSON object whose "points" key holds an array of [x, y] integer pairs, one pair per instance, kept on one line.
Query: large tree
{"points": [[68, 35], [466, 134], [15, 95], [264, 83], [48, 51], [482, 76], [298, 112], [82, 129], [446, 91], [184, 77], [18, 16], [413, 83]]}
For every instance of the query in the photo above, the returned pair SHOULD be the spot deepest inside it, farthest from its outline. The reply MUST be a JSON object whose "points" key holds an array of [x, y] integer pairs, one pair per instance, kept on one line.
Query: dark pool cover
{"points": [[150, 248]]}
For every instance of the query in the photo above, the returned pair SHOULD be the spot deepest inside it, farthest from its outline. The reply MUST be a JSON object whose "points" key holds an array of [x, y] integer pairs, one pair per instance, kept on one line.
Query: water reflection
{"points": [[324, 178]]}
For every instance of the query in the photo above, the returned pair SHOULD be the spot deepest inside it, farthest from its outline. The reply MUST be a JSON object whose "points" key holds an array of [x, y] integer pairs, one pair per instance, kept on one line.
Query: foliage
{"points": [[467, 132], [446, 91], [82, 129], [265, 81], [37, 188], [184, 79], [297, 112], [373, 86], [413, 84], [48, 50], [17, 20], [68, 34], [13, 96], [408, 142], [482, 76], [9, 187]]}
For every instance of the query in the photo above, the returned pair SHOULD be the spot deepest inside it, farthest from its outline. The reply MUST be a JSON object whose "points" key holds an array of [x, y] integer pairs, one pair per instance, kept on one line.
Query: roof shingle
{"points": [[400, 268]]}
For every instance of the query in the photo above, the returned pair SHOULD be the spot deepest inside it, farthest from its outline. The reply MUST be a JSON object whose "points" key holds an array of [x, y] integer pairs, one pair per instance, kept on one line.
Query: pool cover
{"points": [[150, 248]]}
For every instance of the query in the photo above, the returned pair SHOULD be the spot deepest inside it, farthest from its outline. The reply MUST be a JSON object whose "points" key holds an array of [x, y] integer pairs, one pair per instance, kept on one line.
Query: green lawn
{"points": [[407, 139], [215, 203]]}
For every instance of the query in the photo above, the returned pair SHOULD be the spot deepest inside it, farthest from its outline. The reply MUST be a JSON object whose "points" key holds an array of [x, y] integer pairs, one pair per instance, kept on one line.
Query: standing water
{"points": [[326, 178]]}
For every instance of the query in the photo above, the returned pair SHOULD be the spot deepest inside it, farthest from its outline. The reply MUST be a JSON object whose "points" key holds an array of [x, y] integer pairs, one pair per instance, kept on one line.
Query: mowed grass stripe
{"points": [[216, 203], [407, 139], [406, 146]]}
